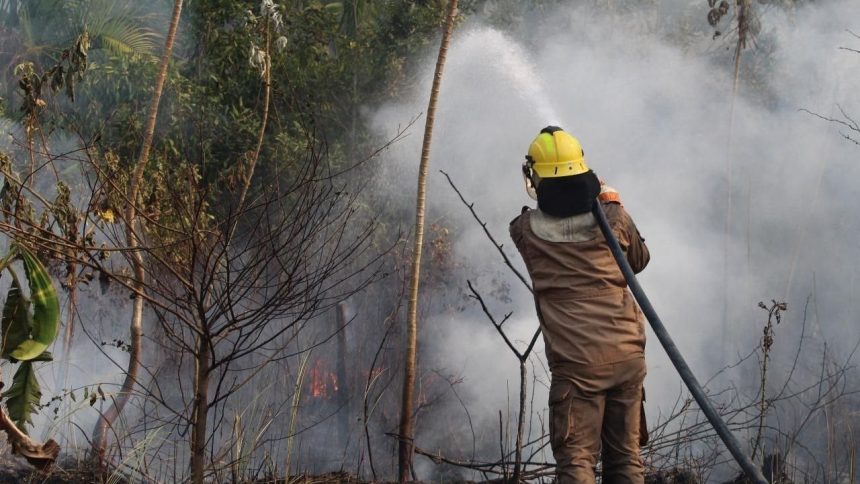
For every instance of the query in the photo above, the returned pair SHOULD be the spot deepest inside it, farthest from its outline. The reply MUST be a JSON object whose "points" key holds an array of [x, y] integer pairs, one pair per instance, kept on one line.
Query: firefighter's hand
{"points": [[608, 194]]}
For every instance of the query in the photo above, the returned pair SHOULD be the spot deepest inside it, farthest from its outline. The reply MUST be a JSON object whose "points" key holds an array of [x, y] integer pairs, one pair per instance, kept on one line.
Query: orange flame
{"points": [[323, 382]]}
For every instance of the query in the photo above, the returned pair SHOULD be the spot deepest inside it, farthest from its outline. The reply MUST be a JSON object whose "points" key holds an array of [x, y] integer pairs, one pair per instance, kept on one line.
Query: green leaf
{"points": [[46, 309], [16, 322], [23, 397], [335, 8]]}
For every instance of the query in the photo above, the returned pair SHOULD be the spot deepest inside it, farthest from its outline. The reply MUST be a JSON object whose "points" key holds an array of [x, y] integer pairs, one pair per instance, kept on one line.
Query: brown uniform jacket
{"points": [[587, 315]]}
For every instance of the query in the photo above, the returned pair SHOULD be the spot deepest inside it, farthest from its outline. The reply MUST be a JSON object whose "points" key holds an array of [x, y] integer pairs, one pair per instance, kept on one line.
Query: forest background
{"points": [[232, 298]]}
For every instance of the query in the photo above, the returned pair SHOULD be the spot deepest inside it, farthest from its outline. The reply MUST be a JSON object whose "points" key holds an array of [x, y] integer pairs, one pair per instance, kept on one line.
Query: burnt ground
{"points": [[78, 472], [22, 474], [72, 472], [69, 471], [17, 471]]}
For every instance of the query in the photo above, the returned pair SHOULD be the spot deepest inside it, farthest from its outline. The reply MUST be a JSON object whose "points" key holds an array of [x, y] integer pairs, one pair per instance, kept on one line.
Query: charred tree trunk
{"points": [[406, 444], [133, 235], [203, 361], [343, 384]]}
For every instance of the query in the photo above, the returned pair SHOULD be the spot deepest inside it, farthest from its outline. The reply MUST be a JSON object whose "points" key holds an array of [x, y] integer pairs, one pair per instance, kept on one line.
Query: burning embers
{"points": [[323, 382]]}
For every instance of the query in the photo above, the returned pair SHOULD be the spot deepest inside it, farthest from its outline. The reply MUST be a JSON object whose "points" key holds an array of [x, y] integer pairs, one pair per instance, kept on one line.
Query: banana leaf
{"points": [[23, 397], [46, 309], [17, 321]]}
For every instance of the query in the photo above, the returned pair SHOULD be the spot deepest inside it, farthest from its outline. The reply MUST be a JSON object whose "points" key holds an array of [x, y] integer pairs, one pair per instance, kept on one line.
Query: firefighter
{"points": [[593, 329]]}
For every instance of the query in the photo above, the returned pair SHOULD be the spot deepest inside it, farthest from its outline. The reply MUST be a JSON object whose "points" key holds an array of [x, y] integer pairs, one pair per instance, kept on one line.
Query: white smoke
{"points": [[651, 104]]}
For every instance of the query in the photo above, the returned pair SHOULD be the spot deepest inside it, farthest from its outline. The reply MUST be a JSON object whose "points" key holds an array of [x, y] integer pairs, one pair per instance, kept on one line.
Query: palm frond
{"points": [[118, 27], [122, 37]]}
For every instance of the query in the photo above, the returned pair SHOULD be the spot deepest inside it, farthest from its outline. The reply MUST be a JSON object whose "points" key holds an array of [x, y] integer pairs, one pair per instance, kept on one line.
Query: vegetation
{"points": [[189, 200], [26, 336]]}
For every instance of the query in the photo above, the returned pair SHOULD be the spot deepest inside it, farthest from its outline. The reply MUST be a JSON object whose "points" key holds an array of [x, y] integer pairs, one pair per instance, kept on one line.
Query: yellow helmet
{"points": [[555, 153]]}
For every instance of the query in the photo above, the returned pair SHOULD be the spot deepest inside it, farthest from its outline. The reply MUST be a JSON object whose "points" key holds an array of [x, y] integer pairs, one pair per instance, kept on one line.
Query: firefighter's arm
{"points": [[625, 230], [636, 250]]}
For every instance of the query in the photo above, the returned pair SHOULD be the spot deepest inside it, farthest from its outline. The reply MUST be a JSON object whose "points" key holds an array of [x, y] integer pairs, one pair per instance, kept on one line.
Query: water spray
{"points": [[749, 468]]}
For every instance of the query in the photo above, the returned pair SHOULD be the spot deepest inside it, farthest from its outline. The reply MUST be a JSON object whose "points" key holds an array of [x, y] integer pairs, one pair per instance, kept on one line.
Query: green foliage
{"points": [[328, 60], [64, 74], [25, 337], [46, 309], [47, 26], [116, 27], [17, 320], [339, 56], [54, 38], [23, 397]]}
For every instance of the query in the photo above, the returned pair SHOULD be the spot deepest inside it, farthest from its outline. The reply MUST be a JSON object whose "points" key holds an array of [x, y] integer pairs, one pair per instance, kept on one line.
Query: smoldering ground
{"points": [[738, 205]]}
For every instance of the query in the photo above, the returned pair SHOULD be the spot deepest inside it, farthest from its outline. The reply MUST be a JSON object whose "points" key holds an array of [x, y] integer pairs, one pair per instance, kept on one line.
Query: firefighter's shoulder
{"points": [[522, 212]]}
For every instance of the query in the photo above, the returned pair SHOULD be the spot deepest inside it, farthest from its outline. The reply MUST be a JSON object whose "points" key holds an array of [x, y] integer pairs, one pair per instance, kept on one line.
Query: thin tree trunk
{"points": [[742, 13], [70, 322], [203, 357], [132, 234], [406, 444], [201, 410], [521, 420]]}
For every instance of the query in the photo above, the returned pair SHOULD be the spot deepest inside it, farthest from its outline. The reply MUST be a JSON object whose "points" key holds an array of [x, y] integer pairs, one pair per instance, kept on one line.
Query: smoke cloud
{"points": [[741, 199], [649, 95]]}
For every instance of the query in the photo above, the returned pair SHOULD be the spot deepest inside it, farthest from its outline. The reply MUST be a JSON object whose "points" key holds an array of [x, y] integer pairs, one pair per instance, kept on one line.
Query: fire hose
{"points": [[750, 469]]}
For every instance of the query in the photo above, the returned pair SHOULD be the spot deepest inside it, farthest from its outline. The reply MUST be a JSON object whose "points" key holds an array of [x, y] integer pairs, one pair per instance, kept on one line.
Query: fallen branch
{"points": [[38, 455], [498, 468]]}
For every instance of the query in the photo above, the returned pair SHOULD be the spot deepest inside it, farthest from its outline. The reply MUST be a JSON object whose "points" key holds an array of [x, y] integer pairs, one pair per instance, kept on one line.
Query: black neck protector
{"points": [[568, 195]]}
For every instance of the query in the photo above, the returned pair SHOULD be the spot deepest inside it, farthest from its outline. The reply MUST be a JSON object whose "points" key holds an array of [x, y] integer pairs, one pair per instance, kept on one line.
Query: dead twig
{"points": [[848, 122], [498, 246], [497, 468]]}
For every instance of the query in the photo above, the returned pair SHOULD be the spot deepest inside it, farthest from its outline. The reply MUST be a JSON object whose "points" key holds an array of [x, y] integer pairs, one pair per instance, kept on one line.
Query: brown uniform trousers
{"points": [[594, 337], [597, 408]]}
